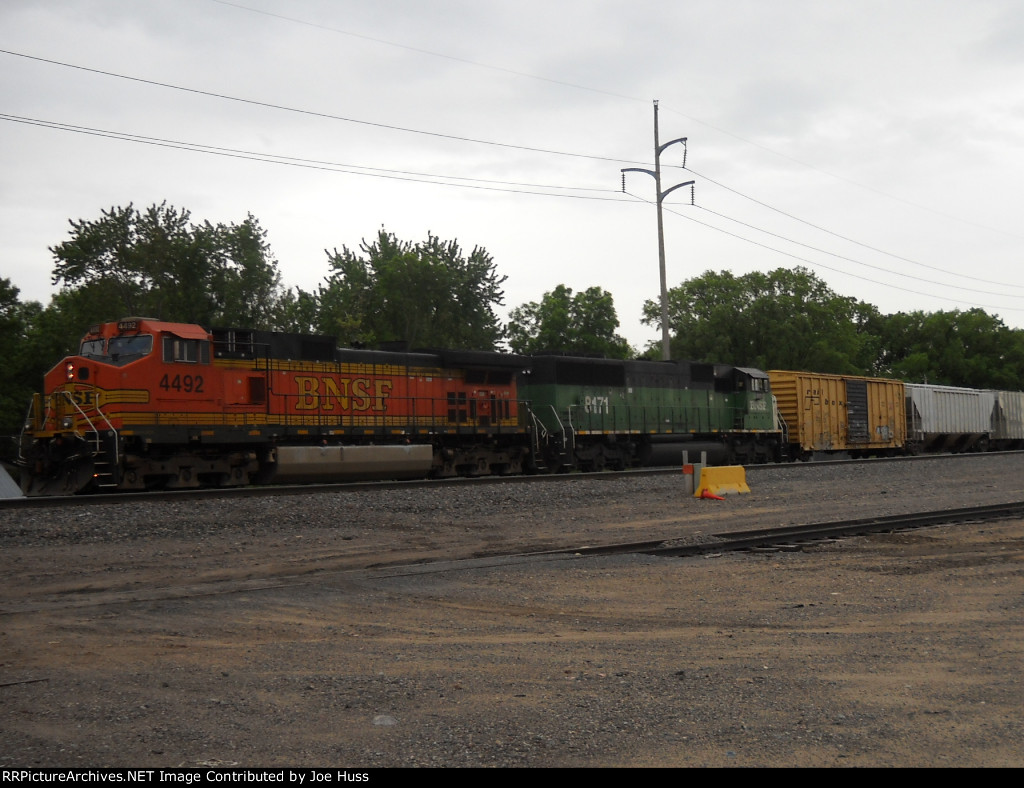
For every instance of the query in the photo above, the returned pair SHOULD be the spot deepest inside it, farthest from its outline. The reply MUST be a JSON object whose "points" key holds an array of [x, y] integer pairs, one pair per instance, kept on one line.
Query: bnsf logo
{"points": [[345, 394], [84, 398]]}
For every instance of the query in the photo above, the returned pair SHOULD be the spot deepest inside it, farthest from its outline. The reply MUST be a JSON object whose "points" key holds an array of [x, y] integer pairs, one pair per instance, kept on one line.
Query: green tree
{"points": [[583, 323], [15, 393], [296, 311], [157, 263], [243, 280], [32, 346], [37, 338], [427, 294], [10, 310], [971, 349], [785, 319]]}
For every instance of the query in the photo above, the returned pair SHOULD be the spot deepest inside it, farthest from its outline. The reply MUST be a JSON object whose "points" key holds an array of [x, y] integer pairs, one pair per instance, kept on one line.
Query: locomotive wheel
{"points": [[157, 482]]}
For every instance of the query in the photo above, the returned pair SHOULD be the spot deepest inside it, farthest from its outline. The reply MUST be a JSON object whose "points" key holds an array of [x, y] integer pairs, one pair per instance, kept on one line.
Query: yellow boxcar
{"points": [[840, 413]]}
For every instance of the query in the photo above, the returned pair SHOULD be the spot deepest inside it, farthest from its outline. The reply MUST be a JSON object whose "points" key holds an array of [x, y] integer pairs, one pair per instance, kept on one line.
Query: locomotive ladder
{"points": [[540, 431], [32, 419], [104, 457], [780, 422]]}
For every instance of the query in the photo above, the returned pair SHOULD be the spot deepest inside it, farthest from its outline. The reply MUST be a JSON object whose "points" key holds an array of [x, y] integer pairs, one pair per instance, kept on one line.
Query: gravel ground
{"points": [[250, 632]]}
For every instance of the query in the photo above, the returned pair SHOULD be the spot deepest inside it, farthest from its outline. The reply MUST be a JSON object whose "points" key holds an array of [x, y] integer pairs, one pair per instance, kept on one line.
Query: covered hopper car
{"points": [[947, 418], [1007, 420]]}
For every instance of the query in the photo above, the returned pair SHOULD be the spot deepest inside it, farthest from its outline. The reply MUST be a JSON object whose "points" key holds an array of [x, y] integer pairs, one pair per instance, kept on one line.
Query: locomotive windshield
{"points": [[93, 348], [118, 350]]}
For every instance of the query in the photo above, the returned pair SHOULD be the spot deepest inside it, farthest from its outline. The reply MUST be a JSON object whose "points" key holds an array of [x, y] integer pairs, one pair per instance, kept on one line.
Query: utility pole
{"points": [[666, 352]]}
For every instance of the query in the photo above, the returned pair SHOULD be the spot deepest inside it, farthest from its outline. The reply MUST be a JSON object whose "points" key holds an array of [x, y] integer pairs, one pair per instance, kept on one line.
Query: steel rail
{"points": [[816, 532], [732, 541], [794, 537], [362, 486]]}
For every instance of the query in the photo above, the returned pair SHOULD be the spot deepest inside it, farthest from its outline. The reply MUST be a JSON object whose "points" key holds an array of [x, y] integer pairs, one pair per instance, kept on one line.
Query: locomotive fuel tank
{"points": [[305, 464]]}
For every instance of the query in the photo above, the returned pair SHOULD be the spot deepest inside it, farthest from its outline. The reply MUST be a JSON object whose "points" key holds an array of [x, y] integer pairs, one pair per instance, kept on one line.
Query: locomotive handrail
{"points": [[572, 429], [92, 426], [33, 415], [781, 421], [561, 426], [541, 429], [418, 413], [658, 418]]}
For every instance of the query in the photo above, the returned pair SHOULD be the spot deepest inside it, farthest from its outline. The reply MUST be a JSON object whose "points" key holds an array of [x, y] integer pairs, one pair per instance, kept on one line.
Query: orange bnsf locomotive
{"points": [[152, 405]]}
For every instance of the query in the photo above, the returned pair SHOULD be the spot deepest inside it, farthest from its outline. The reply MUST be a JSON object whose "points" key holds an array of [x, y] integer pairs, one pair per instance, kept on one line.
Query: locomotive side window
{"points": [[187, 351]]}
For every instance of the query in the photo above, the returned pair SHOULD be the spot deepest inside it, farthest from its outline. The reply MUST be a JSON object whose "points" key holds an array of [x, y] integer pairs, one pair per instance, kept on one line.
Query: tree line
{"points": [[160, 263], [790, 319]]}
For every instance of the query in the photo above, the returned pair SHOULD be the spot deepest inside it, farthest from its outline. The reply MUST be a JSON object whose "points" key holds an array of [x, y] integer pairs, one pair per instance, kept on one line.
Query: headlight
{"points": [[67, 423]]}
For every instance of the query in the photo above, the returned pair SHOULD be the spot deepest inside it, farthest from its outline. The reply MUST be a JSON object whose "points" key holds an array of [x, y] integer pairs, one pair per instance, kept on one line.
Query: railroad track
{"points": [[784, 538], [307, 489], [797, 536], [310, 489]]}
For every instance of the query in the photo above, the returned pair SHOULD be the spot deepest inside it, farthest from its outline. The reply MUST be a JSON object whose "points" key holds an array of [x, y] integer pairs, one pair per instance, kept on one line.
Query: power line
{"points": [[431, 53], [850, 181], [851, 240], [430, 178], [313, 113], [848, 259], [576, 86], [350, 169], [471, 183], [817, 264], [416, 177]]}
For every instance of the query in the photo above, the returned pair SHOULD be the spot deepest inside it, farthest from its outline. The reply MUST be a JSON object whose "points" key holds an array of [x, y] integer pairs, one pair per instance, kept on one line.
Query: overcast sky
{"points": [[878, 143]]}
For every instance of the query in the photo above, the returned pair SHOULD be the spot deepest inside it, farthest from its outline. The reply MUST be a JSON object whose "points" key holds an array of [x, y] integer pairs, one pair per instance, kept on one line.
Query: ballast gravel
{"points": [[319, 630]]}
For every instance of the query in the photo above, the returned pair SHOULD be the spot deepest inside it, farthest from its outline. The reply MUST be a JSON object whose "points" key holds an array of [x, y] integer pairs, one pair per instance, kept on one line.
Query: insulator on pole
{"points": [[623, 183], [693, 195]]}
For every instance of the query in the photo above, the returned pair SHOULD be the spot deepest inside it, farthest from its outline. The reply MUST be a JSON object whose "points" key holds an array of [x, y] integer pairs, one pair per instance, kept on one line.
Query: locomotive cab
{"points": [[78, 430], [117, 350], [755, 434], [752, 392]]}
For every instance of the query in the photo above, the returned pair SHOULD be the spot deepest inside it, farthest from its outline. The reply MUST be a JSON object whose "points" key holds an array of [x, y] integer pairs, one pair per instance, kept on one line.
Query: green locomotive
{"points": [[591, 414]]}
